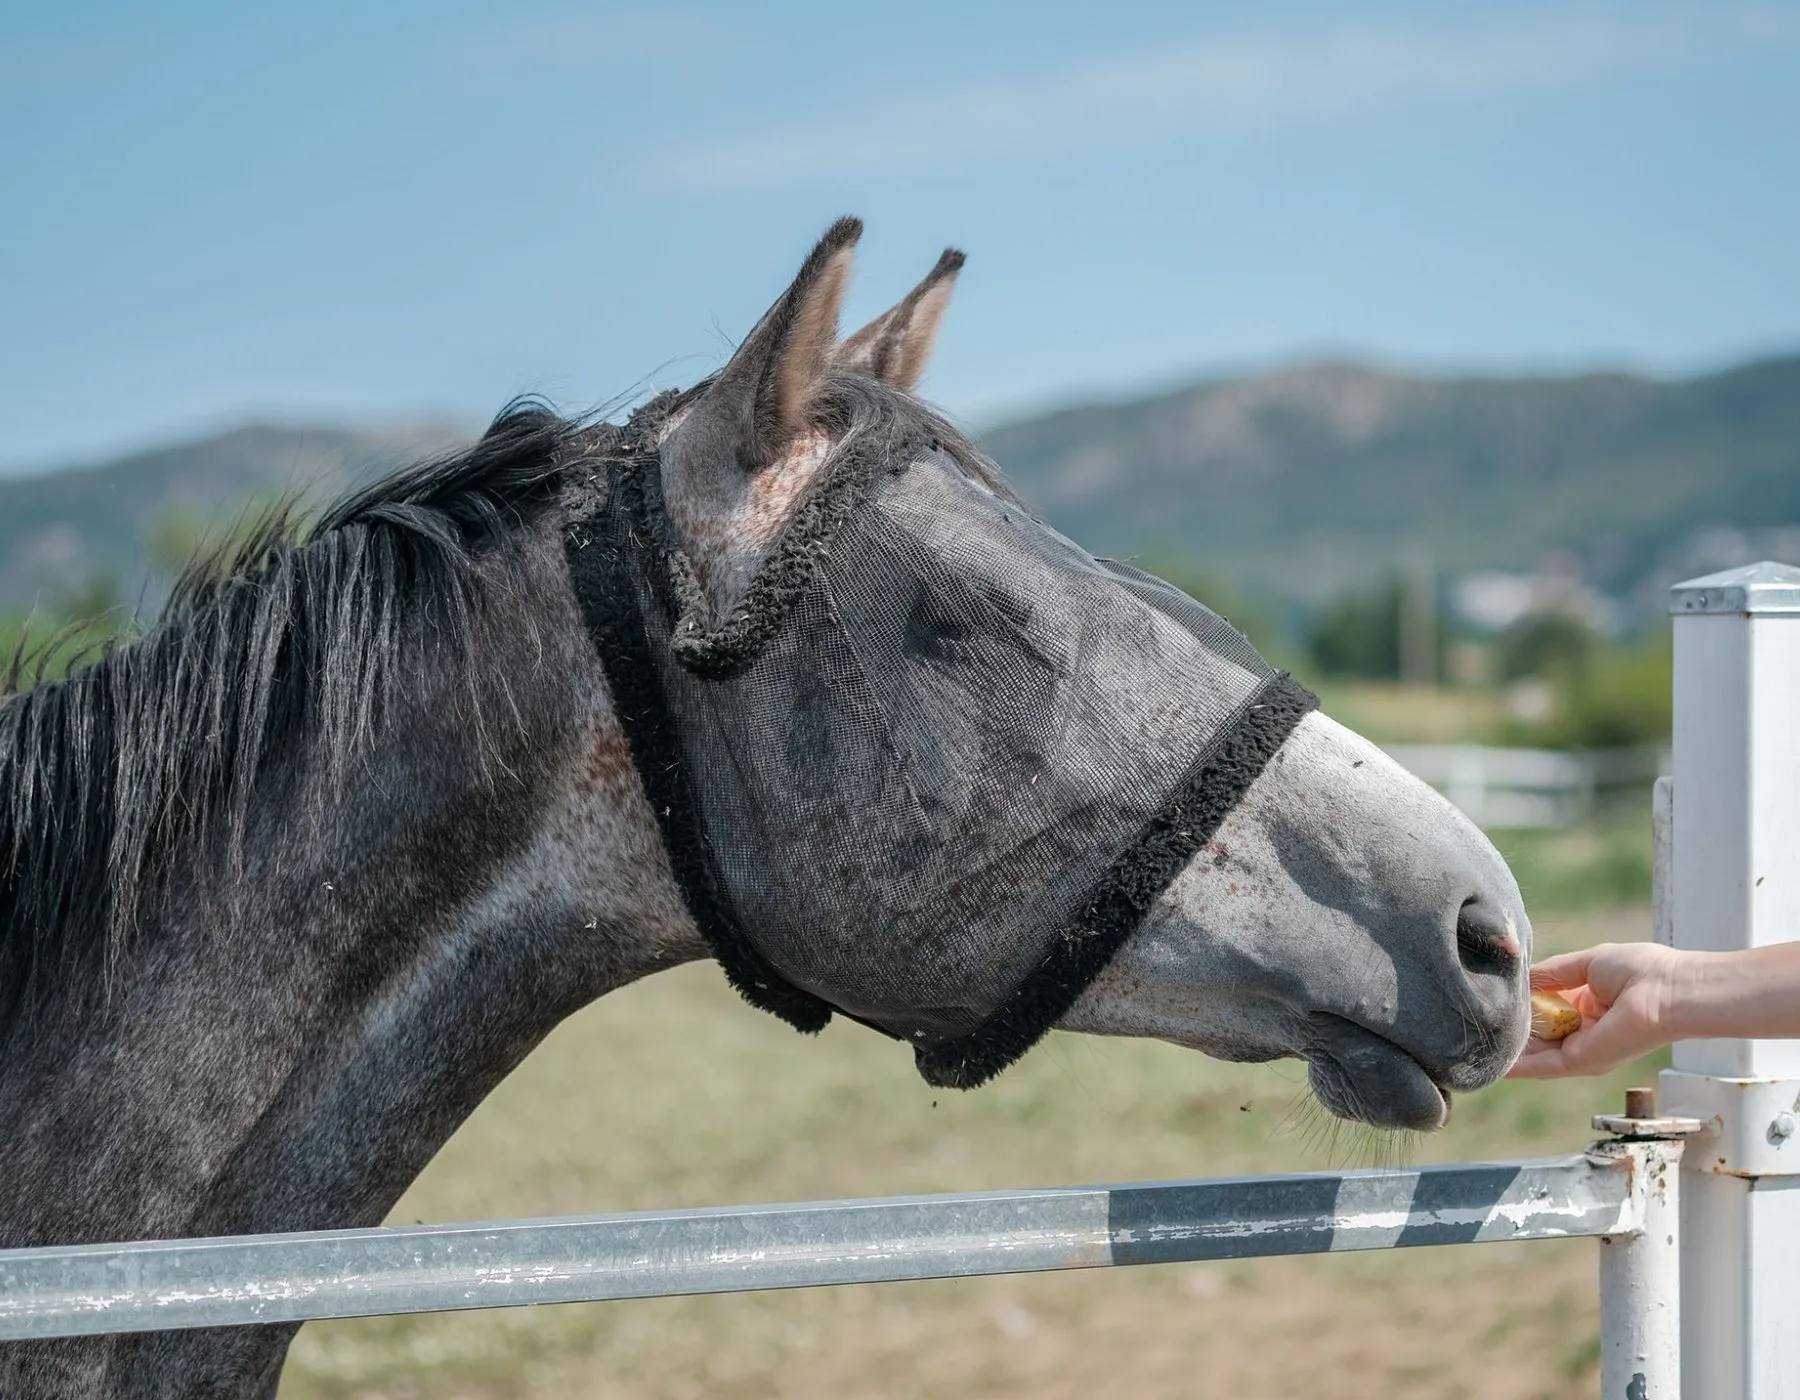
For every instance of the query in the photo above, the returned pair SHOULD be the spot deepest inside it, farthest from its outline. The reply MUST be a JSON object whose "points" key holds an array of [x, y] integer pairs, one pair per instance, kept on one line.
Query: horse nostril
{"points": [[1485, 940]]}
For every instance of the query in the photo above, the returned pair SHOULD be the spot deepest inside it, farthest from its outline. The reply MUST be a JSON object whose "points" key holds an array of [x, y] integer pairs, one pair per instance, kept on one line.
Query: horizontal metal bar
{"points": [[156, 1285]]}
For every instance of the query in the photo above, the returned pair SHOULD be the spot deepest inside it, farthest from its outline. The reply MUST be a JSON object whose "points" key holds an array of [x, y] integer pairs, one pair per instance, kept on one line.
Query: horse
{"points": [[292, 880]]}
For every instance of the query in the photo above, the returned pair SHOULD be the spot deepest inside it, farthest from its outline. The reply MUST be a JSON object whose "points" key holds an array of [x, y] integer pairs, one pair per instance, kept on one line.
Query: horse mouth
{"points": [[1363, 1076]]}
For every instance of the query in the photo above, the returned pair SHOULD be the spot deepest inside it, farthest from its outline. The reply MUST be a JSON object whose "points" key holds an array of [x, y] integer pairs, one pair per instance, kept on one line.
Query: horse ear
{"points": [[896, 344], [762, 398]]}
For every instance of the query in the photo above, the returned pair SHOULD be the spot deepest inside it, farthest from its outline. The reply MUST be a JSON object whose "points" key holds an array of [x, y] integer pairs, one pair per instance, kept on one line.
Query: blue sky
{"points": [[370, 211]]}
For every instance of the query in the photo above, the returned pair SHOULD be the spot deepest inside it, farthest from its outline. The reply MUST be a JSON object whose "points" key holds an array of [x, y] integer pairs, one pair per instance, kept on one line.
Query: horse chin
{"points": [[1361, 1076]]}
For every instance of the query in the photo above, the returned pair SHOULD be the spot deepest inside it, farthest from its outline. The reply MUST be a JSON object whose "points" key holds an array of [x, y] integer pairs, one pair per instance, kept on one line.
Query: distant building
{"points": [[1492, 601]]}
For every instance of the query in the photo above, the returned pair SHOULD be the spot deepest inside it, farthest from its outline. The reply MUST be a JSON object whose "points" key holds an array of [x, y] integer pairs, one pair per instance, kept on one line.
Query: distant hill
{"points": [[63, 530], [1297, 483], [1292, 485]]}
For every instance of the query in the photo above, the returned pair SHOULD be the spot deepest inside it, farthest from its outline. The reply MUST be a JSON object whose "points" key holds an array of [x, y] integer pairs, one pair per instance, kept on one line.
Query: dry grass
{"points": [[673, 1094], [1391, 713]]}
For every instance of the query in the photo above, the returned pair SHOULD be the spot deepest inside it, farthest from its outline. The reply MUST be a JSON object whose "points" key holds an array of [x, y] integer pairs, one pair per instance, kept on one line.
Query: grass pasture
{"points": [[672, 1093]]}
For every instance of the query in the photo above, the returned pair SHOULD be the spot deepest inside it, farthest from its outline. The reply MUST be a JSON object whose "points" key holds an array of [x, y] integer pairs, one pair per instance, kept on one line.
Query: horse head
{"points": [[962, 781]]}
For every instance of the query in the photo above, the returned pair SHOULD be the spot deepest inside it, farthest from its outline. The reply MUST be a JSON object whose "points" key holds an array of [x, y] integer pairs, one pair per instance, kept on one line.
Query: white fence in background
{"points": [[1517, 788], [1699, 1250]]}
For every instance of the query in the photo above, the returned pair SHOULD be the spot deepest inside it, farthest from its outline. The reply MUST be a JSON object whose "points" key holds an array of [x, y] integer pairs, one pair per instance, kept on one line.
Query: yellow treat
{"points": [[1552, 1018]]}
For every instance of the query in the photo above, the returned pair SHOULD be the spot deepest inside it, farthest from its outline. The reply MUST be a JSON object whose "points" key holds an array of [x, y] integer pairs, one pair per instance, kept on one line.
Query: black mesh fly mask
{"points": [[936, 765]]}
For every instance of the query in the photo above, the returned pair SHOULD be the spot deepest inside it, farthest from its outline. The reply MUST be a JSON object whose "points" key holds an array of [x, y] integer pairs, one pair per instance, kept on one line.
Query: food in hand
{"points": [[1552, 1018]]}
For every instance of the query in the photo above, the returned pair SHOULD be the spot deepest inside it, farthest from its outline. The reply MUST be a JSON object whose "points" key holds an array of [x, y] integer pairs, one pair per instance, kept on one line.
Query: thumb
{"points": [[1563, 971]]}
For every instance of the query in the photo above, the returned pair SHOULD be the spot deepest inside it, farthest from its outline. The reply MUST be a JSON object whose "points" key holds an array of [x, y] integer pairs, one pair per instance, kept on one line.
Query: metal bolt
{"points": [[1640, 1103], [1782, 1128]]}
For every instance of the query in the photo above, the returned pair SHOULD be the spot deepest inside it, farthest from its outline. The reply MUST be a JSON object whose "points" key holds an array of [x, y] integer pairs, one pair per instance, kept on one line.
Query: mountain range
{"points": [[1301, 483], [110, 523], [1292, 485]]}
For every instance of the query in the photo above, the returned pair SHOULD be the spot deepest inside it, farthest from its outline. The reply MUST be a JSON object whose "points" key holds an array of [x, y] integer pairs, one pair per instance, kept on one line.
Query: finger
{"points": [[1543, 1062], [1606, 1044], [1586, 1001], [1594, 1049], [1562, 971], [1602, 1046]]}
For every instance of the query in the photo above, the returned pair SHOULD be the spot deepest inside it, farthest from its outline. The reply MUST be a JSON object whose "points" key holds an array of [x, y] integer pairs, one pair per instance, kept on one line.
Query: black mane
{"points": [[283, 645], [112, 775]]}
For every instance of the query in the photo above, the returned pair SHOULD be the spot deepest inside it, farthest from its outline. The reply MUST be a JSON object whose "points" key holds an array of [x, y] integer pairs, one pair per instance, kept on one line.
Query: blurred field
{"points": [[1388, 712], [672, 1093]]}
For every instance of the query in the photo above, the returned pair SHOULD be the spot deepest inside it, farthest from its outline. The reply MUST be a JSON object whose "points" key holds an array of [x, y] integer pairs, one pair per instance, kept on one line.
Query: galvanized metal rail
{"points": [[157, 1285]]}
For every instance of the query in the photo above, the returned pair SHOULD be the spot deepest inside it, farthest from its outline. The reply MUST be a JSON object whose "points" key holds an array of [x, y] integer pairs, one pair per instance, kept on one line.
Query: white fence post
{"points": [[1640, 1277], [1734, 882]]}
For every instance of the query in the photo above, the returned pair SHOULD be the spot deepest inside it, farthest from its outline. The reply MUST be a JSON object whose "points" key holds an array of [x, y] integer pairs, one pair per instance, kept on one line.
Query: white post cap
{"points": [[1756, 588]]}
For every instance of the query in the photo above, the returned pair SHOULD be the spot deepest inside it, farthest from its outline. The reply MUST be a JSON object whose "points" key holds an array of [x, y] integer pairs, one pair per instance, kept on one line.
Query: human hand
{"points": [[1625, 993]]}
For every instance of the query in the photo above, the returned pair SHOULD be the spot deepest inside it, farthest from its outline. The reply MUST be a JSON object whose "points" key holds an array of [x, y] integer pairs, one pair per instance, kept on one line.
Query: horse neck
{"points": [[293, 1061], [292, 1057]]}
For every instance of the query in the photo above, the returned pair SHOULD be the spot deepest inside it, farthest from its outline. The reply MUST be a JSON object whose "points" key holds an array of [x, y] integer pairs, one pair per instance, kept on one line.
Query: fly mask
{"points": [[935, 766]]}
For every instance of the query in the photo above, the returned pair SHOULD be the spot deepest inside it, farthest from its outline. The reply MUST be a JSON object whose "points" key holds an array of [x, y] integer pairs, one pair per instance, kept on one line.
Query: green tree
{"points": [[73, 628], [1359, 635], [1624, 696], [1550, 644]]}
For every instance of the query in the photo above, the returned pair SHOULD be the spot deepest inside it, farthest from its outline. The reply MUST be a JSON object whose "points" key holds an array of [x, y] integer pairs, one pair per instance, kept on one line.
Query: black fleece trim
{"points": [[606, 589], [1125, 893], [717, 650]]}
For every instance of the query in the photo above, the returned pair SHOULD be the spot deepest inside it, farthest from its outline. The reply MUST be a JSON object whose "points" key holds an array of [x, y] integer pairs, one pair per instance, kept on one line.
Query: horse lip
{"points": [[1323, 1049]]}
